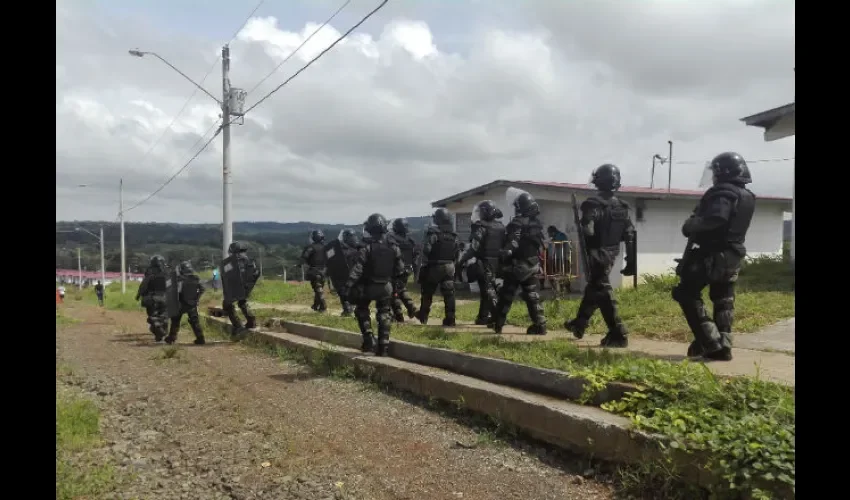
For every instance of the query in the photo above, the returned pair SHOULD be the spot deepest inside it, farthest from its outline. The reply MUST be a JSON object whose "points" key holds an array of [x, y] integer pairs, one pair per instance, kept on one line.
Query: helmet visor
{"points": [[707, 177], [511, 196]]}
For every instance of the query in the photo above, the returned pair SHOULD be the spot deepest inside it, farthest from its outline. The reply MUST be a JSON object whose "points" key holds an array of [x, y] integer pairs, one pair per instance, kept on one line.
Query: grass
{"points": [[78, 475]]}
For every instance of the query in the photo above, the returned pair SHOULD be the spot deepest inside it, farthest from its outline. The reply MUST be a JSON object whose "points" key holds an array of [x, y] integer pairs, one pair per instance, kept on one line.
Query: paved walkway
{"points": [[768, 354]]}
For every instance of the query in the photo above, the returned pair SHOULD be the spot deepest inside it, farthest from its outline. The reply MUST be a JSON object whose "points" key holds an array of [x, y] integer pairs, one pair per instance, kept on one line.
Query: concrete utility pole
{"points": [[102, 259], [80, 268], [670, 166], [123, 255], [227, 200]]}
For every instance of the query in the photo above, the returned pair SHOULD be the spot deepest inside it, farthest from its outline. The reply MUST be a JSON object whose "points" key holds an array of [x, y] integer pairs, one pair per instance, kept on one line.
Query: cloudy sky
{"points": [[426, 99]]}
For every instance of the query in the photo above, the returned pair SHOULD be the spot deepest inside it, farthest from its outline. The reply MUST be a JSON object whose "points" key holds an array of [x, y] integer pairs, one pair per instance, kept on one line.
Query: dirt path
{"points": [[226, 421]]}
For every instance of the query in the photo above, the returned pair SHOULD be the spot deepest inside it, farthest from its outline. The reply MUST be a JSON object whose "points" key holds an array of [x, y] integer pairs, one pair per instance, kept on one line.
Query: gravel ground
{"points": [[224, 421]]}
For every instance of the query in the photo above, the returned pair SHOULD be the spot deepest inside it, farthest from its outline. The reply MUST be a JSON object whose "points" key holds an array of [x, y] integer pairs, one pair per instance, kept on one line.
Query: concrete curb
{"points": [[498, 371], [581, 428]]}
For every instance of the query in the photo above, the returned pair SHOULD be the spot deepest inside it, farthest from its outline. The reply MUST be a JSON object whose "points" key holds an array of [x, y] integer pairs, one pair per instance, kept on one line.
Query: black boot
{"points": [[614, 340], [383, 344], [482, 320], [449, 322], [539, 329], [577, 327], [422, 317], [368, 342], [412, 312]]}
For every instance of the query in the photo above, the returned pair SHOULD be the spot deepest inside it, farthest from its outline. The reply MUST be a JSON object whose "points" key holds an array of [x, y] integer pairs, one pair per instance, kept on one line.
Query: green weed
{"points": [[77, 432]]}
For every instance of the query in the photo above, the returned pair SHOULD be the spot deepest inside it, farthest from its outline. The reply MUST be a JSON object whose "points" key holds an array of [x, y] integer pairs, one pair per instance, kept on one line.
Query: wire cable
{"points": [[318, 56], [299, 47], [195, 92], [184, 167]]}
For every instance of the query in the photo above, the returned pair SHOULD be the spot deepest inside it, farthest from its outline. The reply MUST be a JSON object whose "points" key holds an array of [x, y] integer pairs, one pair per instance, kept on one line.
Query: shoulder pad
{"points": [[622, 202], [592, 202], [724, 190]]}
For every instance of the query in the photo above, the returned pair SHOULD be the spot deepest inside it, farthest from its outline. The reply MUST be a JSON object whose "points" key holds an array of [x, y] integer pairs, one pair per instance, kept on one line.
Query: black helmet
{"points": [[526, 206], [400, 226], [497, 213], [442, 217], [487, 210], [317, 236], [349, 237], [186, 267], [237, 247], [606, 177], [158, 261], [375, 225], [730, 167]]}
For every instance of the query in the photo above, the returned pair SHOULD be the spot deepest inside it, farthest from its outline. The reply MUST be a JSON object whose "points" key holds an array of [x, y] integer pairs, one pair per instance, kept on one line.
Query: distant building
{"points": [[72, 276]]}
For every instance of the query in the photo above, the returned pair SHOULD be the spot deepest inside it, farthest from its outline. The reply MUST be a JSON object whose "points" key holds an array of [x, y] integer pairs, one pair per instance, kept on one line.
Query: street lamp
{"points": [[102, 254], [231, 104]]}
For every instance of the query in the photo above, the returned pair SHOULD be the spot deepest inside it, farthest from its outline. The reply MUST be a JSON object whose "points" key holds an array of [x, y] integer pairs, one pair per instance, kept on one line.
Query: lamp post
{"points": [[226, 112]]}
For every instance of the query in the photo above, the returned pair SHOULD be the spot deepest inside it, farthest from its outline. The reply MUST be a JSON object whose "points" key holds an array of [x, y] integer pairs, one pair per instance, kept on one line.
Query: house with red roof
{"points": [[657, 214]]}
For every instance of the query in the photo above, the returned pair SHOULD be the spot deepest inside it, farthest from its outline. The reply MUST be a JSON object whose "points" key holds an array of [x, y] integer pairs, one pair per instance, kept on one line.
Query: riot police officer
{"points": [[378, 263], [245, 274], [716, 234], [520, 260], [486, 240], [189, 291], [350, 249], [400, 236], [438, 270], [605, 223], [152, 292], [315, 259]]}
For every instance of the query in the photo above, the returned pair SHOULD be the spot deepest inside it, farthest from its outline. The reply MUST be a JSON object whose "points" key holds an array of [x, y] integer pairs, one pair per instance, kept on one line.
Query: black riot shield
{"points": [[172, 295], [232, 281], [337, 264], [189, 290], [584, 256]]}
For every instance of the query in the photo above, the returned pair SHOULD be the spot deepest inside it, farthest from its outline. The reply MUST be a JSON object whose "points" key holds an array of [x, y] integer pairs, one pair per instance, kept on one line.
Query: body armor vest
{"points": [[734, 232], [494, 239], [381, 261], [406, 246], [189, 289], [157, 282], [608, 230], [530, 239], [443, 250], [318, 258]]}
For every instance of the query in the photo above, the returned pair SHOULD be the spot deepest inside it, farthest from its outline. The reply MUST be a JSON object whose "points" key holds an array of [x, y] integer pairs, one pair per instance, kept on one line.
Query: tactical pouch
{"points": [[723, 267]]}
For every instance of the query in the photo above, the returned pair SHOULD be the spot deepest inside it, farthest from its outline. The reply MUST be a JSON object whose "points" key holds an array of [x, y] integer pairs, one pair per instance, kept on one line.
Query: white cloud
{"points": [[393, 118]]}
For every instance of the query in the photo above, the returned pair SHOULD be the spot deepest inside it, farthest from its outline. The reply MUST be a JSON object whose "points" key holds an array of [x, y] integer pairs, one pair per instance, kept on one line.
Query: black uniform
{"points": [[98, 290], [606, 224], [250, 274], [189, 294], [315, 259], [716, 235], [378, 264], [400, 237], [520, 265], [350, 249], [486, 241], [438, 269], [152, 292]]}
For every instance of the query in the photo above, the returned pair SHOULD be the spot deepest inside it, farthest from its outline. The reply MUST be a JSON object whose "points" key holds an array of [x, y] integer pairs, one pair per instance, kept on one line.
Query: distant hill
{"points": [[200, 243]]}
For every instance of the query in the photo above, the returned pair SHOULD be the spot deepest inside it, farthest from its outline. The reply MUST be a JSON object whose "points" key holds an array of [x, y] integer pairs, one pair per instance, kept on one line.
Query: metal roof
{"points": [[75, 273], [643, 192], [767, 119]]}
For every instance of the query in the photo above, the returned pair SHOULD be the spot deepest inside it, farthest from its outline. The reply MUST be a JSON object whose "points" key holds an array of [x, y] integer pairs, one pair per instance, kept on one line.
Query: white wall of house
{"points": [[660, 239]]}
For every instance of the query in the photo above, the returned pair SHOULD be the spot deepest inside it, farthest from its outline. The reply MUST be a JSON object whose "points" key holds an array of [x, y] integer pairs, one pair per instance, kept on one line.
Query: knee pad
{"points": [[447, 287], [532, 296]]}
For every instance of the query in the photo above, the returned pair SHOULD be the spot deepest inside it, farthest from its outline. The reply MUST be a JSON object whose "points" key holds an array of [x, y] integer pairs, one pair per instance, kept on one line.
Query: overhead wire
{"points": [[185, 165], [300, 46], [186, 104], [318, 56]]}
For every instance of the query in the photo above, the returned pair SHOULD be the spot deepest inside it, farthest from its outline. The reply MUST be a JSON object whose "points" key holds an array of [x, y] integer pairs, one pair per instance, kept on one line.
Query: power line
{"points": [[195, 92], [322, 53], [184, 167], [328, 20]]}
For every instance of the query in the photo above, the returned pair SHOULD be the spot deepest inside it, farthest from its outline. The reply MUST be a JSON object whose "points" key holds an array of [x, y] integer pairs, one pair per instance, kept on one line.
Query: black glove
{"points": [[630, 269]]}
